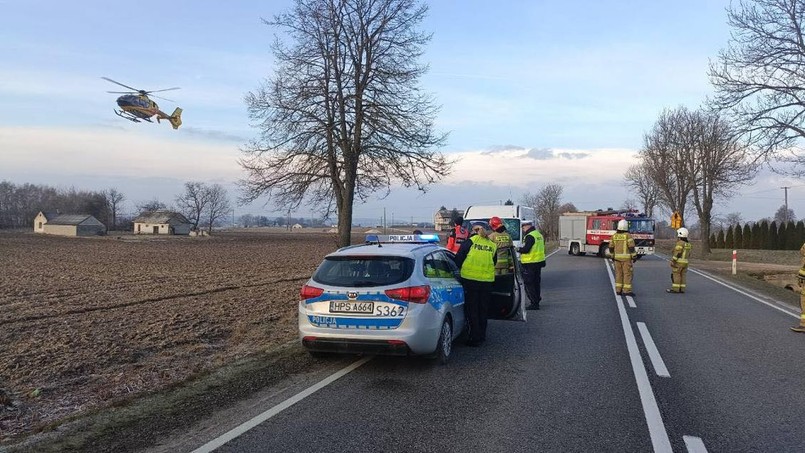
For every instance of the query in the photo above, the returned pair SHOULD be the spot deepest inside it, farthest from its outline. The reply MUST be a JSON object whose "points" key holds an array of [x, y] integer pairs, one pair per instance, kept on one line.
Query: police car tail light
{"points": [[309, 292], [415, 294]]}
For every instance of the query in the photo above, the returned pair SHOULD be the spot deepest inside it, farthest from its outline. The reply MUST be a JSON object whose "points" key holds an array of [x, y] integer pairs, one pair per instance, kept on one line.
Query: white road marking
{"points": [[694, 444], [629, 299], [739, 291], [795, 315], [656, 427], [239, 430], [653, 353]]}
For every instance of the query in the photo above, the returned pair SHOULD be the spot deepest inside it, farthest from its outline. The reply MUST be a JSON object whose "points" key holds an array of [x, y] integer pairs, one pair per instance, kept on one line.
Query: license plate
{"points": [[344, 306]]}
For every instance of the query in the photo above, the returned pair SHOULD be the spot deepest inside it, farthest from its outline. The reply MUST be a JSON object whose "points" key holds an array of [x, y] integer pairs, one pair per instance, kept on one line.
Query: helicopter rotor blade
{"points": [[118, 83], [122, 92], [164, 99], [166, 89]]}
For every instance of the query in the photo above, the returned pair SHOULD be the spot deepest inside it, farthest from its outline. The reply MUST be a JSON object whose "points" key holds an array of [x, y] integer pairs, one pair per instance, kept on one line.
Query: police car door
{"points": [[508, 294], [441, 272]]}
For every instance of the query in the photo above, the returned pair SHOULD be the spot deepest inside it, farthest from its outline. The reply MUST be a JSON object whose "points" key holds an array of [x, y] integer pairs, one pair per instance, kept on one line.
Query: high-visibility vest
{"points": [[504, 243], [623, 247], [801, 275], [479, 264], [537, 252], [681, 252], [460, 234]]}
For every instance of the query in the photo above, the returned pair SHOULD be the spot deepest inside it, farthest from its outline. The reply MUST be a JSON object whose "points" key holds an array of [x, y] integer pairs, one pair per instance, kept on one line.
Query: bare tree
{"points": [[153, 205], [629, 204], [218, 207], [695, 153], [784, 215], [343, 116], [760, 78], [567, 207], [193, 202], [639, 179], [666, 151], [547, 204], [733, 218], [719, 164], [113, 202]]}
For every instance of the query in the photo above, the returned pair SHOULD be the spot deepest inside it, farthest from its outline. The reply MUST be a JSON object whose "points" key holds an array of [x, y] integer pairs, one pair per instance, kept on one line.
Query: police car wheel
{"points": [[445, 344]]}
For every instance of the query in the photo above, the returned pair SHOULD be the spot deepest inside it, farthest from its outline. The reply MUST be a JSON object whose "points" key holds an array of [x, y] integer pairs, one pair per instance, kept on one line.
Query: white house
{"points": [[162, 222], [68, 224], [441, 219]]}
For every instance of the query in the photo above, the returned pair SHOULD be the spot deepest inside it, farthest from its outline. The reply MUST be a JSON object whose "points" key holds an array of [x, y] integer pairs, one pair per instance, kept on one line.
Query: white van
{"points": [[511, 215]]}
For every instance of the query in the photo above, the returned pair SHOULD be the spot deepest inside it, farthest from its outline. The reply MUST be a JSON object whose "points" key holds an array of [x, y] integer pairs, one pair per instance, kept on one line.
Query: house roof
{"points": [[50, 214], [69, 219], [161, 217]]}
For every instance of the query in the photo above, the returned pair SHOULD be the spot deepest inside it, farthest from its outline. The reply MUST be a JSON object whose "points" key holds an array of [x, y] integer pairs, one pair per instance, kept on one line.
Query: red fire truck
{"points": [[590, 232]]}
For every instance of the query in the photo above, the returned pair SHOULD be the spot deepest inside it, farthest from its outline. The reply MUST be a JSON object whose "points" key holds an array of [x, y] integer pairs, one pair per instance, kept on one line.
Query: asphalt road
{"points": [[727, 375]]}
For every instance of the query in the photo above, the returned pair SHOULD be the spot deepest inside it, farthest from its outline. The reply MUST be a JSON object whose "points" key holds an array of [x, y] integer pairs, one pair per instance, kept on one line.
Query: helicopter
{"points": [[135, 105]]}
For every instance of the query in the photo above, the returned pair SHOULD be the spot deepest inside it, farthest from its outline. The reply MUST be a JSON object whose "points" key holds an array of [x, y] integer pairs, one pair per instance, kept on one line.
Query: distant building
{"points": [[441, 220], [68, 224], [162, 222]]}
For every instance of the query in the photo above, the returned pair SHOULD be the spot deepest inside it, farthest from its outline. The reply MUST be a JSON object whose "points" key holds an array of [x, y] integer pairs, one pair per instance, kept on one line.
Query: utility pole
{"points": [[786, 202]]}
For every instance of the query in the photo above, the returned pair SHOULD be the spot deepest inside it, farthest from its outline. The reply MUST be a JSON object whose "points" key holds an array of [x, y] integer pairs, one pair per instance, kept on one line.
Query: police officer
{"points": [[532, 257], [476, 258], [622, 251], [801, 278], [457, 235], [503, 241], [679, 261]]}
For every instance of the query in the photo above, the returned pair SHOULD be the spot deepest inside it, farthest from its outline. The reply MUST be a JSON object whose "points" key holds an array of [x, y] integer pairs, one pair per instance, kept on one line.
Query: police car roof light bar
{"points": [[402, 238]]}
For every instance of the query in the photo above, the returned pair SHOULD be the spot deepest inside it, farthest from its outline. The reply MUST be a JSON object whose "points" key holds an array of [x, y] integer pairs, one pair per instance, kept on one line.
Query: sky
{"points": [[532, 93]]}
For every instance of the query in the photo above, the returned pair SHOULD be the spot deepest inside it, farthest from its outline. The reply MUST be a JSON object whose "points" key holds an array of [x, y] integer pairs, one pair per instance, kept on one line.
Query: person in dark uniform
{"points": [[476, 258]]}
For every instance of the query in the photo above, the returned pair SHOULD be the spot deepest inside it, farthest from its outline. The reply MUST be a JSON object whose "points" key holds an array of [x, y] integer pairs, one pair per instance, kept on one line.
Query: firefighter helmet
{"points": [[495, 222], [682, 232], [623, 225]]}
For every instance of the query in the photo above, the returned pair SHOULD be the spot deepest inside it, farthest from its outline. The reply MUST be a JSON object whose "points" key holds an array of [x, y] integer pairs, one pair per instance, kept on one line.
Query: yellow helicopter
{"points": [[135, 105]]}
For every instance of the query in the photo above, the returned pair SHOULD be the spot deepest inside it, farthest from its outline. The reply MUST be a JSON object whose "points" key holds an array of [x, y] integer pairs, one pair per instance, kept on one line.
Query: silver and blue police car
{"points": [[395, 294]]}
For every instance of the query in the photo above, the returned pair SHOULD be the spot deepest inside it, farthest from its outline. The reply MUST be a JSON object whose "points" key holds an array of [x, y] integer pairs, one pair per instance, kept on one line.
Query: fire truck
{"points": [[590, 232]]}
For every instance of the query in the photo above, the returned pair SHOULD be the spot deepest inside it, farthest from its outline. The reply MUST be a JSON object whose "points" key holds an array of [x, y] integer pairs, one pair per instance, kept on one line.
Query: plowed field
{"points": [[85, 322]]}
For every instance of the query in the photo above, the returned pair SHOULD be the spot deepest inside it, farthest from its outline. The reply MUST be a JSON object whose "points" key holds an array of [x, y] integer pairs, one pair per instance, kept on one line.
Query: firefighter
{"points": [[801, 278], [679, 261], [476, 259], [622, 251], [458, 235], [503, 241], [532, 257]]}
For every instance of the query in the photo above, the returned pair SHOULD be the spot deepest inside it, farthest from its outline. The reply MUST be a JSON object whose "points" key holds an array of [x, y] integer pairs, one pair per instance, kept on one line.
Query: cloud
{"points": [[124, 153], [529, 168], [214, 134], [540, 153], [566, 155]]}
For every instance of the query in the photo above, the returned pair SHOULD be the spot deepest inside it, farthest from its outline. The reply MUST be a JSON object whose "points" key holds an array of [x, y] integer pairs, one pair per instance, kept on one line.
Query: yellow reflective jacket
{"points": [[622, 247], [479, 264], [681, 253]]}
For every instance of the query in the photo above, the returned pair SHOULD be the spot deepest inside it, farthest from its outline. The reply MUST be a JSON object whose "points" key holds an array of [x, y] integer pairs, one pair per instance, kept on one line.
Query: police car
{"points": [[395, 294]]}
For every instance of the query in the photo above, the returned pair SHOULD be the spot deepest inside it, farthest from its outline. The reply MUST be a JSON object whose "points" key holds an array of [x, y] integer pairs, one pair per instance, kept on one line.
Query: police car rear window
{"points": [[359, 272]]}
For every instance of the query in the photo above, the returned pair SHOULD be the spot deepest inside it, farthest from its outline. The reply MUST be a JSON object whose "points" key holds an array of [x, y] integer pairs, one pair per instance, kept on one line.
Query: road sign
{"points": [[676, 220]]}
